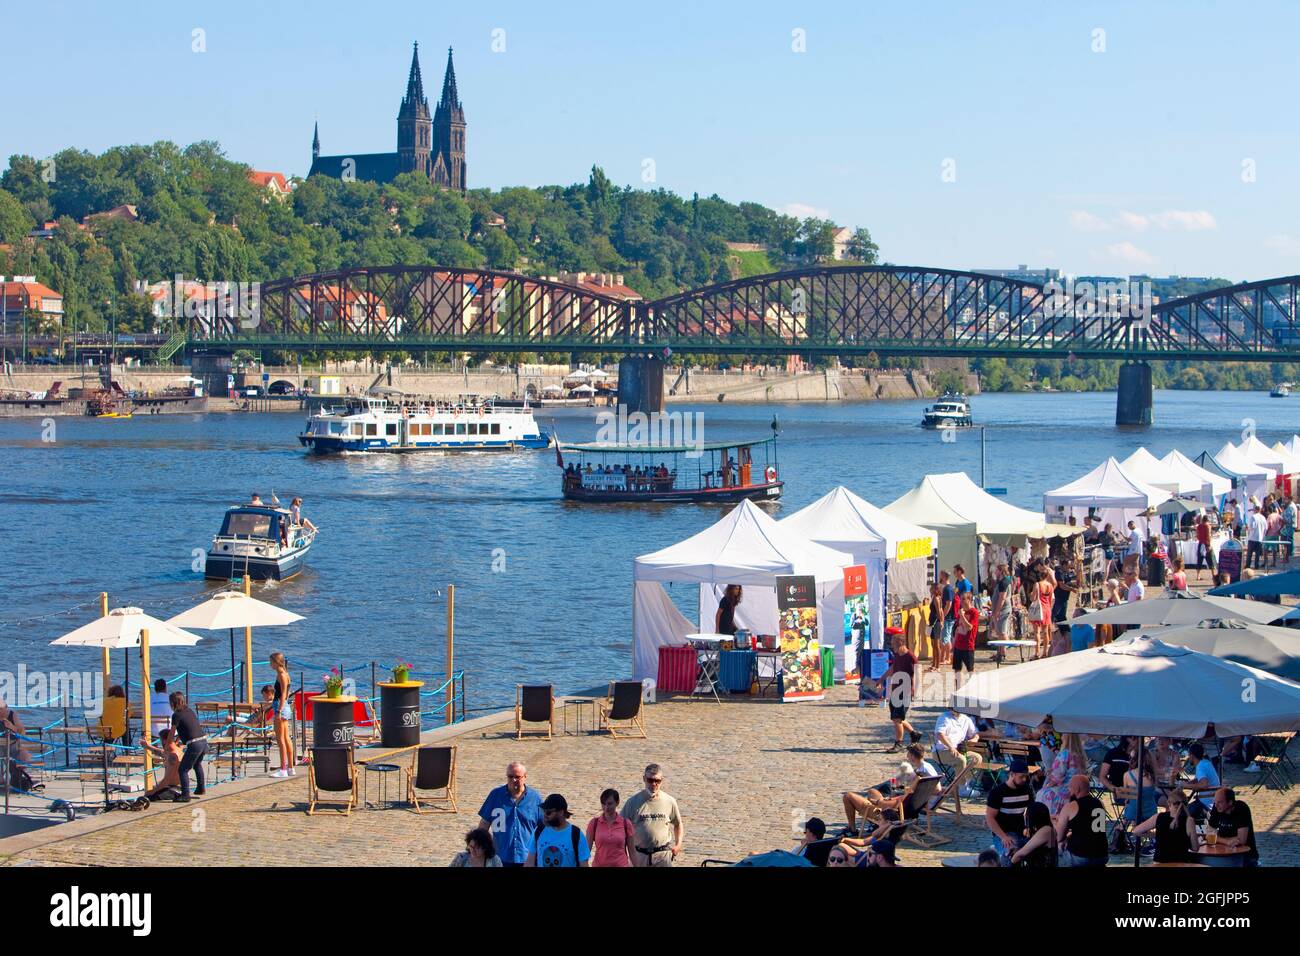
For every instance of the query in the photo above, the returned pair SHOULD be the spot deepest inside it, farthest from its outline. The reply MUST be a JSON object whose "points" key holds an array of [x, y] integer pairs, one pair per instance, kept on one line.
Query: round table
{"points": [[1219, 855], [383, 769]]}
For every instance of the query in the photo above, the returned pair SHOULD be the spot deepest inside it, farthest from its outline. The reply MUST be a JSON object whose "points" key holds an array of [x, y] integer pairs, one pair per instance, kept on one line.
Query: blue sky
{"points": [[1166, 144]]}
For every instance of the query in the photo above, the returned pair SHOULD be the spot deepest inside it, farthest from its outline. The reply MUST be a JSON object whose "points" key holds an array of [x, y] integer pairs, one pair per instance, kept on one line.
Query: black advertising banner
{"points": [[795, 590]]}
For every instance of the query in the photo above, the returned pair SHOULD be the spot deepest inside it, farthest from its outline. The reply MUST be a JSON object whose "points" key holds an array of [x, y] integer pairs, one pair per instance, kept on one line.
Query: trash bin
{"points": [[1155, 572]]}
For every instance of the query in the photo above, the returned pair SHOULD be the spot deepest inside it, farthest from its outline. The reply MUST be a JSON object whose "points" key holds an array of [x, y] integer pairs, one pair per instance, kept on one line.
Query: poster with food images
{"points": [[855, 619], [801, 664]]}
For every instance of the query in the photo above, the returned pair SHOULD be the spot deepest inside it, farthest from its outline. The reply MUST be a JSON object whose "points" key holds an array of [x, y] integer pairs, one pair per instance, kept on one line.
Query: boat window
{"points": [[460, 428], [390, 428], [372, 428], [356, 428], [496, 428], [437, 428], [248, 525]]}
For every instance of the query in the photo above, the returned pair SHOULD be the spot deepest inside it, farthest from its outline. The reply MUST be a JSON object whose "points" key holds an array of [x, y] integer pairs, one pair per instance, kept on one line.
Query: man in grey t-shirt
{"points": [[656, 822]]}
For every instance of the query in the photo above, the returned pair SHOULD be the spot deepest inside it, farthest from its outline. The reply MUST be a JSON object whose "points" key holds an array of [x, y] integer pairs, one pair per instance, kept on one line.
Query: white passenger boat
{"points": [[376, 423], [951, 411]]}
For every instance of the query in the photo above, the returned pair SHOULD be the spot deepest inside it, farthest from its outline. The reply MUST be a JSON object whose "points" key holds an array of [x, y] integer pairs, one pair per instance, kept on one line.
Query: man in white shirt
{"points": [[1256, 532], [1134, 591], [160, 709], [1134, 542], [952, 730]]}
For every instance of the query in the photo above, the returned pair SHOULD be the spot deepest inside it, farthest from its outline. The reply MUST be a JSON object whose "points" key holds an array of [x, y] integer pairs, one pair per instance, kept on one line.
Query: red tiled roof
{"points": [[264, 179], [21, 294]]}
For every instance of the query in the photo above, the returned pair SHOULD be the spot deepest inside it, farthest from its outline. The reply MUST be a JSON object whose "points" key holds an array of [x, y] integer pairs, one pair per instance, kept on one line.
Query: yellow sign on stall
{"points": [[915, 548]]}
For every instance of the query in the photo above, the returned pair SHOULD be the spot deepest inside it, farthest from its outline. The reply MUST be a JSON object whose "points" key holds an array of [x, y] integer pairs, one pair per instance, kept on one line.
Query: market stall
{"points": [[1250, 478], [1214, 485], [1110, 493], [965, 517], [746, 547], [1146, 467], [896, 554], [1286, 465]]}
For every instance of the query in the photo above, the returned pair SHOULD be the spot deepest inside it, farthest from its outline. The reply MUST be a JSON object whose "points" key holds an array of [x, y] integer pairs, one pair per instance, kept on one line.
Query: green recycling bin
{"points": [[828, 667]]}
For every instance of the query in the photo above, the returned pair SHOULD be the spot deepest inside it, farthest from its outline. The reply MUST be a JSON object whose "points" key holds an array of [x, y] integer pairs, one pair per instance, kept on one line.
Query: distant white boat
{"points": [[1281, 390]]}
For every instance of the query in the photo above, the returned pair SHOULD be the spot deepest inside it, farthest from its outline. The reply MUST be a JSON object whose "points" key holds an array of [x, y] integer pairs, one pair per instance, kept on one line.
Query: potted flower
{"points": [[401, 672], [334, 683]]}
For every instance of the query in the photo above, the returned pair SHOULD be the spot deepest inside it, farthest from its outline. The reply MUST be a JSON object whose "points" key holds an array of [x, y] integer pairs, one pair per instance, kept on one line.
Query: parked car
{"points": [[253, 391], [280, 388]]}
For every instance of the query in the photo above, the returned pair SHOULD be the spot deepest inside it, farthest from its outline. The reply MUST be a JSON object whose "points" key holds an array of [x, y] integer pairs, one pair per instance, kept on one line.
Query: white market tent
{"points": [[1281, 462], [896, 553], [1108, 491], [746, 547], [1287, 456], [964, 515], [1146, 467], [1214, 484], [1293, 446], [1254, 479]]}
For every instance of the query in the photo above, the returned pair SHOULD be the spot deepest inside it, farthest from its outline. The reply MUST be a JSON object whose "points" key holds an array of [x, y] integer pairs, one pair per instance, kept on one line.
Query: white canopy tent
{"points": [[746, 547], [896, 553], [1293, 445], [1281, 462], [1110, 492], [1146, 467], [1255, 479], [1214, 485], [964, 515]]}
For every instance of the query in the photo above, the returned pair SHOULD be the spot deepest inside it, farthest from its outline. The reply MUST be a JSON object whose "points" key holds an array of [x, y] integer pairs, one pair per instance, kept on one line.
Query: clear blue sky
{"points": [[1120, 161]]}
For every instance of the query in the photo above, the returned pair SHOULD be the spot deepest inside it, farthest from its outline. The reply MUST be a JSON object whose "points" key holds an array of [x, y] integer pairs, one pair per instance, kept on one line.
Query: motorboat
{"points": [[260, 542]]}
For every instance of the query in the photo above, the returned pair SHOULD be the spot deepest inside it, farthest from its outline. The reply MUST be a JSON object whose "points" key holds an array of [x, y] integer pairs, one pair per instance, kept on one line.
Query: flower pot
{"points": [[333, 691], [401, 676]]}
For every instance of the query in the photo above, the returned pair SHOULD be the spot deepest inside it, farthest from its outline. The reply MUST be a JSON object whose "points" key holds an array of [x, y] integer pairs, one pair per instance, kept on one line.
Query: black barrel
{"points": [[399, 714], [332, 722]]}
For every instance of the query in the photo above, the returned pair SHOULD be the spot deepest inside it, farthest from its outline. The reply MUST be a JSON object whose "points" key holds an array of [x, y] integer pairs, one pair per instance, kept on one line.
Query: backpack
{"points": [[574, 833]]}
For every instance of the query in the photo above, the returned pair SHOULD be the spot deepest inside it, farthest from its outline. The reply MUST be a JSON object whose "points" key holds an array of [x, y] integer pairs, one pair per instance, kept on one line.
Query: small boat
{"points": [[721, 472], [259, 541], [379, 423], [1281, 390], [951, 411]]}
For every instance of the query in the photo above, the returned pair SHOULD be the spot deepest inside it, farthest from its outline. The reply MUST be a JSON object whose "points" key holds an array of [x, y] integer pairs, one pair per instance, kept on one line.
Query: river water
{"points": [[543, 586]]}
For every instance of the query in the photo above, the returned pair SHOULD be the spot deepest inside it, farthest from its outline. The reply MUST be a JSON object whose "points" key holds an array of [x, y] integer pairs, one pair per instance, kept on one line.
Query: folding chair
{"points": [[994, 767], [365, 727], [535, 704], [1274, 764], [819, 851], [918, 804], [432, 768], [331, 770], [623, 704], [951, 790]]}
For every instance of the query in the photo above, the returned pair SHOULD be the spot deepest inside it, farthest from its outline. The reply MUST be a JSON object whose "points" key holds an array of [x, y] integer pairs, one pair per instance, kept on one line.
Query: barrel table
{"points": [[399, 713], [332, 721]]}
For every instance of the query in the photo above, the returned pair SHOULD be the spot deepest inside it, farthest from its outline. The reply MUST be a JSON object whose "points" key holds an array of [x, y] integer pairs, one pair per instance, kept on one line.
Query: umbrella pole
{"points": [[234, 691], [1137, 841], [126, 689], [145, 702], [248, 649]]}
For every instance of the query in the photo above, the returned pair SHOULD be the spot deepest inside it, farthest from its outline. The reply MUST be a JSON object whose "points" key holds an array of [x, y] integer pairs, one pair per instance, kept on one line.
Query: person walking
{"points": [[899, 683], [512, 814], [610, 835], [558, 843], [656, 822], [186, 727], [1257, 530], [1204, 549]]}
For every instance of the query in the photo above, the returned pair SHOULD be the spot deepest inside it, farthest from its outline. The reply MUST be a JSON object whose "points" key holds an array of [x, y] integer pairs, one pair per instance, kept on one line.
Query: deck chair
{"points": [[110, 725], [623, 704], [819, 851], [432, 768], [924, 801], [364, 726], [535, 704], [331, 771]]}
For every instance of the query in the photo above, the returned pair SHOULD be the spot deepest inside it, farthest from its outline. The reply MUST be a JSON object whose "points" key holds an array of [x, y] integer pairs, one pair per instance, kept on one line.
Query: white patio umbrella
{"points": [[583, 390], [1140, 686], [228, 610], [129, 627], [1184, 607], [597, 375], [1269, 648]]}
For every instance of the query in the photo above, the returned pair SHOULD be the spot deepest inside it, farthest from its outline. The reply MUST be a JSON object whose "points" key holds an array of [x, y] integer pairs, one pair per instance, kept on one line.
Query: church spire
{"points": [[315, 140], [414, 82], [449, 96]]}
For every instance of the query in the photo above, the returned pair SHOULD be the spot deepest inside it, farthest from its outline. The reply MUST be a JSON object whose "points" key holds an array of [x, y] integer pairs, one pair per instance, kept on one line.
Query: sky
{"points": [[1096, 138]]}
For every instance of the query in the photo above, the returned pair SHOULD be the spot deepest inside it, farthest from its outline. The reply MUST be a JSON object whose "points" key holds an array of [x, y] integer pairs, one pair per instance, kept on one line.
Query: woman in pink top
{"points": [[1178, 580], [609, 835]]}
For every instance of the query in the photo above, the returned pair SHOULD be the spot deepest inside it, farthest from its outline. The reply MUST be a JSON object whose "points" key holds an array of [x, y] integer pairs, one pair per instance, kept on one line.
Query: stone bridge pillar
{"points": [[1134, 401], [641, 383]]}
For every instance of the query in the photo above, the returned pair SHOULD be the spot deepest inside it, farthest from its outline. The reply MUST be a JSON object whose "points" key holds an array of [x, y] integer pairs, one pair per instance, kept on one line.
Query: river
{"points": [[543, 586]]}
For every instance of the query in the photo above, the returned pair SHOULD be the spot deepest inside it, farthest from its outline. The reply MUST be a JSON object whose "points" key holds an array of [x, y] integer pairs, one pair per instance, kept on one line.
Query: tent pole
{"points": [[1137, 840]]}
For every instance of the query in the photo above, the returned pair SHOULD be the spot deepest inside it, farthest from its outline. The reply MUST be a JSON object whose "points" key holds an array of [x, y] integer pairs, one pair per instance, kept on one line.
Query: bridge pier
{"points": [[213, 369], [1134, 401], [641, 384]]}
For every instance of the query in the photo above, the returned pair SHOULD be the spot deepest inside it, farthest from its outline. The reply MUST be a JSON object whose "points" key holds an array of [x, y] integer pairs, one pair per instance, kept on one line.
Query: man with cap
{"points": [[879, 853], [656, 822], [813, 830], [1007, 803], [558, 842]]}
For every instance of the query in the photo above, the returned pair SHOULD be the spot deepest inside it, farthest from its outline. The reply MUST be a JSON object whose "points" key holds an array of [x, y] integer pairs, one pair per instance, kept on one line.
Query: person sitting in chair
{"points": [[883, 802], [170, 754]]}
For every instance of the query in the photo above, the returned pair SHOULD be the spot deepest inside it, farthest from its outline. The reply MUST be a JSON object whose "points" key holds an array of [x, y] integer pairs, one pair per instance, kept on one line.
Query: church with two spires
{"points": [[429, 143]]}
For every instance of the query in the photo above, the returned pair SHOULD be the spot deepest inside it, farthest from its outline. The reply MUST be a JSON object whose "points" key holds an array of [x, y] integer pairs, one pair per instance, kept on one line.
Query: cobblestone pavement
{"points": [[746, 774]]}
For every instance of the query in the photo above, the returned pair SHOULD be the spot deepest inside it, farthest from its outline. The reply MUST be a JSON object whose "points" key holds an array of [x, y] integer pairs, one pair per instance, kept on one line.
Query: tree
{"points": [[15, 223], [861, 248]]}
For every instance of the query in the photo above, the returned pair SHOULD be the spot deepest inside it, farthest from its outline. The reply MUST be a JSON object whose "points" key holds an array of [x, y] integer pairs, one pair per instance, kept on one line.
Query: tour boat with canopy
{"points": [[721, 471], [381, 423], [260, 542]]}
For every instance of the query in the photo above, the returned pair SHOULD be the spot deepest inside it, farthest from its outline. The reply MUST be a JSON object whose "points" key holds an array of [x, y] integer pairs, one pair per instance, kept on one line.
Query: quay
{"points": [[746, 774]]}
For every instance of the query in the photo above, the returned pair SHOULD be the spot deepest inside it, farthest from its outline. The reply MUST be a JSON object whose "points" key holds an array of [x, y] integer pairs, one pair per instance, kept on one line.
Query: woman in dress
{"points": [[1147, 786], [1070, 760], [609, 834], [1044, 590], [480, 850], [283, 711]]}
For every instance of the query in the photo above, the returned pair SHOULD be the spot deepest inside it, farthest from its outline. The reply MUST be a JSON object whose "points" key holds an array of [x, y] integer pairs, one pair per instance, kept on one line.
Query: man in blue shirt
{"points": [[559, 843], [512, 813]]}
